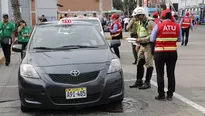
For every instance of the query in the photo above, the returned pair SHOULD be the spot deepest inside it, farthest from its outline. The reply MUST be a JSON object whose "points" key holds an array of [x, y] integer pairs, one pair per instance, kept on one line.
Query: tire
{"points": [[25, 109]]}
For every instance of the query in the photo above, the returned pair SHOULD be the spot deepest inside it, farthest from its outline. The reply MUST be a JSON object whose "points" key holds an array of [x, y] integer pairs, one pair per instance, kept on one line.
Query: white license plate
{"points": [[76, 93]]}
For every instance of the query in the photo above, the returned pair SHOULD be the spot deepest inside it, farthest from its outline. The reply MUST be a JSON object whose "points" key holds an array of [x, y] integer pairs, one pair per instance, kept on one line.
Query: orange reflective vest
{"points": [[156, 20], [186, 21], [119, 31], [167, 37]]}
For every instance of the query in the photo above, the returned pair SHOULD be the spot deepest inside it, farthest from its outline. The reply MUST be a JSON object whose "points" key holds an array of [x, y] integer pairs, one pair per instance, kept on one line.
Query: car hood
{"points": [[79, 56]]}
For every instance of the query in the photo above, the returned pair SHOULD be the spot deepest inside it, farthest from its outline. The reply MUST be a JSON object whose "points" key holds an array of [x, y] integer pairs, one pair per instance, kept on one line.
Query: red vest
{"points": [[119, 28], [156, 20], [167, 37], [186, 21], [172, 19]]}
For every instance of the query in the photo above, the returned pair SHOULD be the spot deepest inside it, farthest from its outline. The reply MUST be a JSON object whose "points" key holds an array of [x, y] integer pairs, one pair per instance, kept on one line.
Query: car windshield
{"points": [[94, 22], [62, 36]]}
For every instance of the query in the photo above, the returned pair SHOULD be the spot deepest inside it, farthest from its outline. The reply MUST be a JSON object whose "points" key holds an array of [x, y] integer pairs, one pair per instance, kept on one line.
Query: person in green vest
{"points": [[132, 27], [7, 37], [145, 53], [23, 35]]}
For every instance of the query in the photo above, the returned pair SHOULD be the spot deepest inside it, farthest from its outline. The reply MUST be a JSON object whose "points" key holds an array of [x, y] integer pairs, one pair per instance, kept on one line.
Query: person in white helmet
{"points": [[145, 54], [132, 27]]}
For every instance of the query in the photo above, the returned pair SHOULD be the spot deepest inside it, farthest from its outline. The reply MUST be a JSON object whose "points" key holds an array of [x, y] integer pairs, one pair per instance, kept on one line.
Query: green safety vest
{"points": [[142, 31]]}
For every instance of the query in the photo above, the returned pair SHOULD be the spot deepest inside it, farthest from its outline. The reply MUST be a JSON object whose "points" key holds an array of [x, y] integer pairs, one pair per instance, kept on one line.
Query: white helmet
{"points": [[138, 10]]}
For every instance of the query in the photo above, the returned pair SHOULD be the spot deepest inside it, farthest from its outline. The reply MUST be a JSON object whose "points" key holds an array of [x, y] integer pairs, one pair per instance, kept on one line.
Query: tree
{"points": [[16, 10], [118, 4]]}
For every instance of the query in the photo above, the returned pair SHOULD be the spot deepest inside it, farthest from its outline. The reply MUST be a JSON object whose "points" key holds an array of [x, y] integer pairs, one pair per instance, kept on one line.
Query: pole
{"points": [[100, 6], [138, 3]]}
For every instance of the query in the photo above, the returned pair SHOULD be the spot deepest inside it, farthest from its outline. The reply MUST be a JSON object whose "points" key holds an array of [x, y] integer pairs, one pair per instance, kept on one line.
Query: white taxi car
{"points": [[93, 20]]}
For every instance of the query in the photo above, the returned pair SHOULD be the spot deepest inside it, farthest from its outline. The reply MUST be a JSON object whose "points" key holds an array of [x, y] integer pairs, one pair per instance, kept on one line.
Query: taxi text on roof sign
{"points": [[65, 21]]}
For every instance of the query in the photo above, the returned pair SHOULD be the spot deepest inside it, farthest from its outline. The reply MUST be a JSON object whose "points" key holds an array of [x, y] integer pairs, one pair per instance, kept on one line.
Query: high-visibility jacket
{"points": [[119, 31], [167, 37], [156, 20], [186, 22], [142, 31], [173, 19]]}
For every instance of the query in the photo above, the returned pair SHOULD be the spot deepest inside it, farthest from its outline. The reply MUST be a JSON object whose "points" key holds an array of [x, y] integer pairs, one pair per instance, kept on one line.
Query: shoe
{"points": [[134, 63], [7, 63], [145, 86], [169, 98], [182, 44], [137, 84], [160, 98]]}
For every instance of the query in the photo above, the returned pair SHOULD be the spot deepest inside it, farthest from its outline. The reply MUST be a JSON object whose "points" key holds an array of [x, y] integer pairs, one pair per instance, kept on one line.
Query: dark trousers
{"points": [[125, 27], [185, 32], [24, 44], [134, 46], [168, 58], [115, 48], [7, 52]]}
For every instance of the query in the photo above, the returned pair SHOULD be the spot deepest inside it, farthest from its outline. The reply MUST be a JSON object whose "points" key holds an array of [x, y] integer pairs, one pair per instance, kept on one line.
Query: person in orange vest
{"points": [[186, 24], [116, 31], [155, 15], [172, 17], [165, 36]]}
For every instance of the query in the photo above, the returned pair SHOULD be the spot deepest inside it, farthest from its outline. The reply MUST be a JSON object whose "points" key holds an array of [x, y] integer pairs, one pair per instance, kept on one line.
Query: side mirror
{"points": [[17, 48], [115, 43]]}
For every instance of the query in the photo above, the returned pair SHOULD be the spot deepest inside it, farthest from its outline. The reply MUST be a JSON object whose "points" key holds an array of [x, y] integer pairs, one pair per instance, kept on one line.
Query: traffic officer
{"points": [[155, 15], [116, 31], [7, 36], [165, 36], [145, 56], [186, 24], [23, 35], [132, 27]]}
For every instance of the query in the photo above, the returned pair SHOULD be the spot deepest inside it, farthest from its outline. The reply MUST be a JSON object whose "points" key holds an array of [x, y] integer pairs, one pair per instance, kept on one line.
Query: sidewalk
{"points": [[1, 56]]}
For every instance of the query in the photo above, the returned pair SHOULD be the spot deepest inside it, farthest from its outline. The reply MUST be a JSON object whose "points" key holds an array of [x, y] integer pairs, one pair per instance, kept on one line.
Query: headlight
{"points": [[27, 71], [114, 66]]}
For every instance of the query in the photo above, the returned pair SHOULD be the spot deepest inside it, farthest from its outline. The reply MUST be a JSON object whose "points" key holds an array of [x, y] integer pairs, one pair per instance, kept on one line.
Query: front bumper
{"points": [[37, 93]]}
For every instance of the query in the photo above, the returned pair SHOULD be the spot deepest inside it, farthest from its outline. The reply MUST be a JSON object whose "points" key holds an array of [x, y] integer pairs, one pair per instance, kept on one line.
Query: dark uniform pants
{"points": [[168, 58], [134, 46], [7, 51], [116, 49], [24, 44], [185, 32]]}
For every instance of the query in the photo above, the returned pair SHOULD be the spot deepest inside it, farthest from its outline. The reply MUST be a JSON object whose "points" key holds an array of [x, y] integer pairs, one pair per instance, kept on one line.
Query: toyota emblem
{"points": [[75, 73]]}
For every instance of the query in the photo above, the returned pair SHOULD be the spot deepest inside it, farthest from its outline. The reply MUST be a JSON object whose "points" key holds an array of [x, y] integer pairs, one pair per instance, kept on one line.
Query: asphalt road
{"points": [[189, 99]]}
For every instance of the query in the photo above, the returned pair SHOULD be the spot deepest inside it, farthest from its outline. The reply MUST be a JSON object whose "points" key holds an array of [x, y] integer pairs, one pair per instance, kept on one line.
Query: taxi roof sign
{"points": [[65, 21]]}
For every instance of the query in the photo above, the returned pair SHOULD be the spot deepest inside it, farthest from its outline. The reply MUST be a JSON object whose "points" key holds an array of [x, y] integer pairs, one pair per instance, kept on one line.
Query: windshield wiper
{"points": [[75, 46], [43, 48]]}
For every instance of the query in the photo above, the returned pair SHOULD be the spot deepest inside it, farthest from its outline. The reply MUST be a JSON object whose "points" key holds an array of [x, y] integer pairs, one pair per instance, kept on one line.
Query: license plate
{"points": [[76, 93]]}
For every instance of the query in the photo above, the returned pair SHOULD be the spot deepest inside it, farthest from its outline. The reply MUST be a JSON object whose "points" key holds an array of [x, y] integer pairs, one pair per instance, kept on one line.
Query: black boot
{"points": [[147, 84], [138, 83], [135, 62], [140, 74]]}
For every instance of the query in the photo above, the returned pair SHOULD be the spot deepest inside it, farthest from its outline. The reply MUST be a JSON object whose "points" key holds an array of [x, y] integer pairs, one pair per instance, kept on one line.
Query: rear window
{"points": [[60, 35], [94, 22]]}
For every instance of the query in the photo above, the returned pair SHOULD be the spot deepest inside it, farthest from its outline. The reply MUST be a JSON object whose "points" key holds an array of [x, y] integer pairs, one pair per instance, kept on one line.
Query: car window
{"points": [[94, 22], [62, 35]]}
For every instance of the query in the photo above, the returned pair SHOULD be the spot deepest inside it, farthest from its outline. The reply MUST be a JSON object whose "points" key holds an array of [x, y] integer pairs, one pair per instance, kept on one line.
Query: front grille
{"points": [[63, 100], [69, 79]]}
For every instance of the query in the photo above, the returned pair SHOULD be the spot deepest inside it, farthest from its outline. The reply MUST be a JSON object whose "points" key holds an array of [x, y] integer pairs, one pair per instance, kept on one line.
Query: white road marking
{"points": [[180, 97]]}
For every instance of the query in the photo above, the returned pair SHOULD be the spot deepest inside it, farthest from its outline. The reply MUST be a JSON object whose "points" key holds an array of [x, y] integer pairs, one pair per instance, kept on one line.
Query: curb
{"points": [[109, 38], [1, 57]]}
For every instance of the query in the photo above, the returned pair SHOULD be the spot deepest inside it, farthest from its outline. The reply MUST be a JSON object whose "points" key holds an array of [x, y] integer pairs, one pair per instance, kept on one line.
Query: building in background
{"points": [[186, 3]]}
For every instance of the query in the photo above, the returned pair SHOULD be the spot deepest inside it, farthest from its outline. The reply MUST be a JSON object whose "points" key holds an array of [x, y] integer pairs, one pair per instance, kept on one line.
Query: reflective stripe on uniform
{"points": [[114, 35], [165, 48], [166, 39], [186, 23]]}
